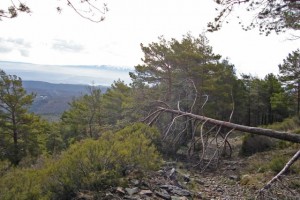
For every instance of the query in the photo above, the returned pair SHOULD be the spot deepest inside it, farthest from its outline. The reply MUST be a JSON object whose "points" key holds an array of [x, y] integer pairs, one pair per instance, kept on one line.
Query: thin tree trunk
{"points": [[298, 97], [16, 156]]}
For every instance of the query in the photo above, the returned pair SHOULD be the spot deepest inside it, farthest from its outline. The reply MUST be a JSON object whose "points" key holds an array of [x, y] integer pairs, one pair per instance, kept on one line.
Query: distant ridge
{"points": [[53, 99]]}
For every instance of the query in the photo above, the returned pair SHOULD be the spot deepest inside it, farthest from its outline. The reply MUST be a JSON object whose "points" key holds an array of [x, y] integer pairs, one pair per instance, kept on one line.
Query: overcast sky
{"points": [[45, 37]]}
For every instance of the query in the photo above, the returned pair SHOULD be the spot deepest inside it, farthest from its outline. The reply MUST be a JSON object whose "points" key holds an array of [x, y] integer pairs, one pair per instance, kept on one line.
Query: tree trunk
{"points": [[16, 156], [298, 97], [255, 130]]}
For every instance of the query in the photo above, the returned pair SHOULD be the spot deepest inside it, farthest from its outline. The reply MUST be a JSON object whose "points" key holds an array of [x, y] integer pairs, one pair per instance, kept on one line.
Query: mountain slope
{"points": [[52, 99]]}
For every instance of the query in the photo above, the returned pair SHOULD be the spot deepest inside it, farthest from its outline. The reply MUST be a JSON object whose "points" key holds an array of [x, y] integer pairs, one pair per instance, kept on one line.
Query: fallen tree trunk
{"points": [[291, 137]]}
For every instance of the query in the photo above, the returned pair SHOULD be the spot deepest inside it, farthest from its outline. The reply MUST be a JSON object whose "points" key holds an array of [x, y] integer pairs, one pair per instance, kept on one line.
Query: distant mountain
{"points": [[57, 85], [68, 74], [52, 99]]}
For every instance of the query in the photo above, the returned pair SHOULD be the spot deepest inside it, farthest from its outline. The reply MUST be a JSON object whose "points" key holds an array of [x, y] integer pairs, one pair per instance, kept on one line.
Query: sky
{"points": [[47, 38]]}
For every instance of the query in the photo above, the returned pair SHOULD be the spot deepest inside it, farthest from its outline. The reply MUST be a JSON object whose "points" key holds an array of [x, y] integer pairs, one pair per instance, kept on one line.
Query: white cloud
{"points": [[69, 39], [8, 45], [66, 46]]}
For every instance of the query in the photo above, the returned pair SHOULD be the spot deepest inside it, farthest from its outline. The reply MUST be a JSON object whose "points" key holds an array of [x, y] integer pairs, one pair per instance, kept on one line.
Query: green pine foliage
{"points": [[86, 165], [20, 130]]}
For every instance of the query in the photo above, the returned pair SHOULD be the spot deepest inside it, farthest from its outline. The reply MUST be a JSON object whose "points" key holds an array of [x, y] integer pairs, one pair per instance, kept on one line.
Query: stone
{"points": [[130, 198], [146, 192], [163, 194], [132, 191], [179, 198], [135, 182], [176, 190], [120, 190], [234, 177], [108, 196], [186, 178], [172, 174], [85, 195]]}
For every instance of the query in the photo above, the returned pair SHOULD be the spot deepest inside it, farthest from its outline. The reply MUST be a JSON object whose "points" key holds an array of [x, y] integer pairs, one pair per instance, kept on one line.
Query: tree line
{"points": [[184, 74]]}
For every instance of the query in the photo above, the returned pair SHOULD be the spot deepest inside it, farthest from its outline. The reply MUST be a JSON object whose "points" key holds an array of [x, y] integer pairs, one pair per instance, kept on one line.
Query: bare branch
{"points": [[284, 170]]}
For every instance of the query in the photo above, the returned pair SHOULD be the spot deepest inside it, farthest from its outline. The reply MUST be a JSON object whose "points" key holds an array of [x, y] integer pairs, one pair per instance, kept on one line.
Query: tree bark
{"points": [[298, 97], [291, 137]]}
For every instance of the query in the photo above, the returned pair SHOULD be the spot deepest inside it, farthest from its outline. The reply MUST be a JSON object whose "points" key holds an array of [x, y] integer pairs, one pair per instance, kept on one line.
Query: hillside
{"points": [[52, 99]]}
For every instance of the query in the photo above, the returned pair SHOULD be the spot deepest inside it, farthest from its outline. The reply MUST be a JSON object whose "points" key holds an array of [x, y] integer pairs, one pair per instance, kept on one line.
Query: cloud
{"points": [[67, 46], [19, 42], [24, 52], [8, 45], [4, 49]]}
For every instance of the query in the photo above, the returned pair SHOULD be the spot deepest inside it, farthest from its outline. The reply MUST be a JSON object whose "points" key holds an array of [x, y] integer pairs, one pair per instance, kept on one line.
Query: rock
{"points": [[233, 177], [108, 196], [84, 195], [199, 195], [132, 191], [144, 185], [163, 194], [120, 190], [130, 198], [135, 182], [176, 190], [186, 178], [179, 198], [146, 192], [172, 173]]}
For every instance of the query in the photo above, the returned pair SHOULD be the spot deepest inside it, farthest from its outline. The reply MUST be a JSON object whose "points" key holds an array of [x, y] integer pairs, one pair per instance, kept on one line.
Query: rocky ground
{"points": [[178, 181], [234, 178]]}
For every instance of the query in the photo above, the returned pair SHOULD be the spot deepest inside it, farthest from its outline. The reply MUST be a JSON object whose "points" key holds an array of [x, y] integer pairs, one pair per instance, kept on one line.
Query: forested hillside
{"points": [[51, 100], [99, 144]]}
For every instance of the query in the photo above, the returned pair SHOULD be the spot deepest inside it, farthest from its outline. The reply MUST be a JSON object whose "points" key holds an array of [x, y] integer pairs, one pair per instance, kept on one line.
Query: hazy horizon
{"points": [[67, 74]]}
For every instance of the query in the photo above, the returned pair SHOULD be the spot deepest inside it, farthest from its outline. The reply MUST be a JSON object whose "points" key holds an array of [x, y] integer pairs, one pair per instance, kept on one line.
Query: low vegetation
{"points": [[86, 165]]}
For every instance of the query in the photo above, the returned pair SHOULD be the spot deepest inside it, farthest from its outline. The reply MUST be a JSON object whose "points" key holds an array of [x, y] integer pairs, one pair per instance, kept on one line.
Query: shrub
{"points": [[288, 124], [21, 184], [277, 164], [96, 164], [86, 165], [255, 143]]}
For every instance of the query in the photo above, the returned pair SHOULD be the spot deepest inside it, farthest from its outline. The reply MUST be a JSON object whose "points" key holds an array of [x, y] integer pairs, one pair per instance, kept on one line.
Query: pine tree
{"points": [[290, 74], [18, 136]]}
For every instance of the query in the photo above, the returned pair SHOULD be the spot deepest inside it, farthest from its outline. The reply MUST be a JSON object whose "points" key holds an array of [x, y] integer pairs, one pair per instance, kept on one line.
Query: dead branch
{"points": [[279, 175], [284, 170]]}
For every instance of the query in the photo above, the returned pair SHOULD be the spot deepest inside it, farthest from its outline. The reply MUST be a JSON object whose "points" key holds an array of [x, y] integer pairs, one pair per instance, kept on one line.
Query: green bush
{"points": [[4, 166], [21, 184], [288, 124], [86, 165], [277, 164], [255, 143]]}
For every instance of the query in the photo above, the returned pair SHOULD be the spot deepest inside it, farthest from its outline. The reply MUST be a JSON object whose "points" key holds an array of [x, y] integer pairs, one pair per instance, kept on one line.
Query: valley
{"points": [[53, 99]]}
